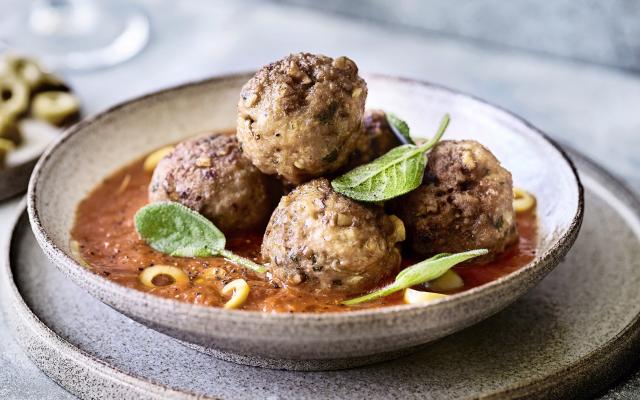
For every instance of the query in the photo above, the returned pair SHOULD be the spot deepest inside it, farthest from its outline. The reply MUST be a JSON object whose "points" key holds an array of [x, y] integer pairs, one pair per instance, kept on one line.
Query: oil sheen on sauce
{"points": [[109, 243]]}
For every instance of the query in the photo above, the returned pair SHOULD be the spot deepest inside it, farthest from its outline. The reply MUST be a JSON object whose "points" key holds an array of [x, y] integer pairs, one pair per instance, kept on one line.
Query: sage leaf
{"points": [[397, 172], [393, 174], [176, 230], [400, 128], [421, 272]]}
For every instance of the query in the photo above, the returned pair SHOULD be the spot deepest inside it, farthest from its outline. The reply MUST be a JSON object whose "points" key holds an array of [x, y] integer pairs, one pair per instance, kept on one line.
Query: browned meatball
{"points": [[300, 117], [376, 141], [209, 174], [464, 203], [324, 242]]}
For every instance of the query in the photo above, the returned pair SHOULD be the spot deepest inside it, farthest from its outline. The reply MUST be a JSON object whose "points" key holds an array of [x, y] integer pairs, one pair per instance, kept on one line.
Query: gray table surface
{"points": [[592, 108]]}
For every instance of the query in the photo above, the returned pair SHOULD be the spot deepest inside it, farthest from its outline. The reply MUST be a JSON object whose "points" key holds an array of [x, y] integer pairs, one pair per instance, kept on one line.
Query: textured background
{"points": [[604, 32]]}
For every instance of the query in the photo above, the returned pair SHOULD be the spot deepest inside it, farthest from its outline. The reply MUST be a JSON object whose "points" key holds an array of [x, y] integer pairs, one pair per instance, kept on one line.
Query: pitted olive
{"points": [[14, 96], [25, 69], [57, 108]]}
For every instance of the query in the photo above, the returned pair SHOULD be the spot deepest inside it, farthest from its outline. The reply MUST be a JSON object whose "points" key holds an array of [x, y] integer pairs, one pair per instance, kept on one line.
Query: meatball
{"points": [[376, 140], [324, 242], [465, 202], [209, 174], [300, 117]]}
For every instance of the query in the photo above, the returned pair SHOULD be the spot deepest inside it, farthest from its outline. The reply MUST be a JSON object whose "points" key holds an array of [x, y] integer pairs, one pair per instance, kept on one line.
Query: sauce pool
{"points": [[109, 244]]}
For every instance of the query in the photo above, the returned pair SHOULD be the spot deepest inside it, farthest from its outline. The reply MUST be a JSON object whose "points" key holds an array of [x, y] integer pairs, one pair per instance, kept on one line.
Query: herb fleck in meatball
{"points": [[465, 202], [209, 174], [324, 242], [300, 117], [376, 140]]}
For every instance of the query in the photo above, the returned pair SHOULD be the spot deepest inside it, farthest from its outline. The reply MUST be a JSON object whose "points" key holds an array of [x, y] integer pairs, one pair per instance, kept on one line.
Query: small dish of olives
{"points": [[34, 106]]}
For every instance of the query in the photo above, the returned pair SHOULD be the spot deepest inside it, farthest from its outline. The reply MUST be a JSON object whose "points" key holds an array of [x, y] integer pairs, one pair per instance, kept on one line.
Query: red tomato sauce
{"points": [[108, 242]]}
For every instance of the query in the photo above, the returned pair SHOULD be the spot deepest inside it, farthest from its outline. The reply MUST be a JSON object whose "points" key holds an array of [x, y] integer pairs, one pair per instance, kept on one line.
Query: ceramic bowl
{"points": [[98, 146]]}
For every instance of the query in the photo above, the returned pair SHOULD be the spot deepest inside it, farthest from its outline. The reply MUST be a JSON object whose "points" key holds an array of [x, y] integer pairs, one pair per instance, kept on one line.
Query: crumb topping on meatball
{"points": [[465, 202], [300, 117], [323, 241], [209, 174]]}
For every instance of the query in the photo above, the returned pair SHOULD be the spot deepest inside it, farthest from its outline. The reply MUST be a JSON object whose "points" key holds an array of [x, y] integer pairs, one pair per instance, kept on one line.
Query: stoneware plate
{"points": [[567, 338], [100, 145]]}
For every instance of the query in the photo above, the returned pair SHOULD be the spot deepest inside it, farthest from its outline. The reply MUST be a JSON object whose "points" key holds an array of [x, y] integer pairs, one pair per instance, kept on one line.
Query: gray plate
{"points": [[572, 335]]}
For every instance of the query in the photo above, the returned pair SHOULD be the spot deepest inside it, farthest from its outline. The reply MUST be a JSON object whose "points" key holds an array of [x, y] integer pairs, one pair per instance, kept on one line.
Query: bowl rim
{"points": [[132, 296]]}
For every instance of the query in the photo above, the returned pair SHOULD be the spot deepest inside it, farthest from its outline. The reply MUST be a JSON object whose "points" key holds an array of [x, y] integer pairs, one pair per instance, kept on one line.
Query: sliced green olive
{"points": [[25, 69], [55, 107], [14, 96], [9, 129]]}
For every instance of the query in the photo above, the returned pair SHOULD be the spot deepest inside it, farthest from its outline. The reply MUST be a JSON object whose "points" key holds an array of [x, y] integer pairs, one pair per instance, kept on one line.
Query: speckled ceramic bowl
{"points": [[100, 145]]}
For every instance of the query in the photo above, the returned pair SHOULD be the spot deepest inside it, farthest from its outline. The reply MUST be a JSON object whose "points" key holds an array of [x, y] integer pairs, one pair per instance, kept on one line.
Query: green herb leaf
{"points": [[174, 229], [400, 128], [245, 262], [421, 272], [395, 173]]}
